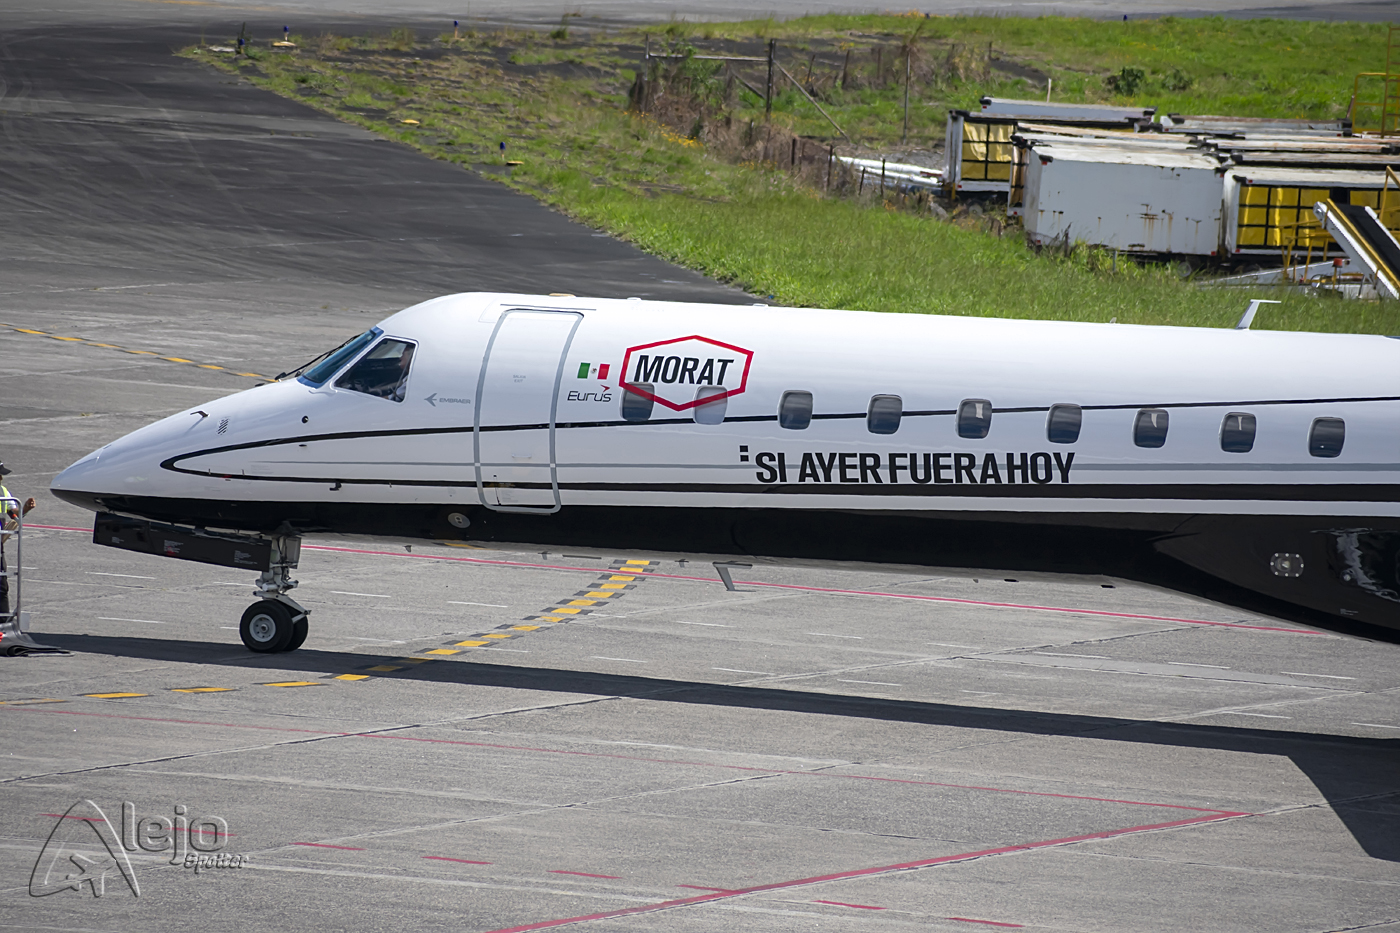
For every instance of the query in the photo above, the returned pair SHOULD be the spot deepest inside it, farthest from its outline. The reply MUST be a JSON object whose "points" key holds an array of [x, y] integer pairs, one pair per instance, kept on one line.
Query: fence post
{"points": [[908, 72], [830, 157], [768, 100]]}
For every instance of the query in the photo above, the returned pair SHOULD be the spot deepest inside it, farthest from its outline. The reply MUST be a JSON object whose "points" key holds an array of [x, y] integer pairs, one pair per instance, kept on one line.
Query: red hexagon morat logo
{"points": [[674, 369]]}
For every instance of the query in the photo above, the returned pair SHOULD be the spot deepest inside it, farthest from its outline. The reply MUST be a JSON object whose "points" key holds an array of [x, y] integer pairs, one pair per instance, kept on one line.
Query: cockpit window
{"points": [[330, 362], [382, 372]]}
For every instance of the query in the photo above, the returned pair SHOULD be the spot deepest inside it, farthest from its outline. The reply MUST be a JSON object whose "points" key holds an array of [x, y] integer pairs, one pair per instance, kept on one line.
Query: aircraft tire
{"points": [[299, 630], [266, 626]]}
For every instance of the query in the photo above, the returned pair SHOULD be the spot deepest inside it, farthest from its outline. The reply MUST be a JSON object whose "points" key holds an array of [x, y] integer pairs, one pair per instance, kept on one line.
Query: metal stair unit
{"points": [[1366, 240]]}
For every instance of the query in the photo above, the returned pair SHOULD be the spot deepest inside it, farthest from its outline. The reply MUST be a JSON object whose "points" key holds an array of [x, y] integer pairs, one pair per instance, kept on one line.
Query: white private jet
{"points": [[1255, 468]]}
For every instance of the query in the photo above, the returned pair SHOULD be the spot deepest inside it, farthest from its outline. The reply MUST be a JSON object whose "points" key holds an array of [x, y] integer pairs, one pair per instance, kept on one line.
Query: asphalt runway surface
{"points": [[820, 750]]}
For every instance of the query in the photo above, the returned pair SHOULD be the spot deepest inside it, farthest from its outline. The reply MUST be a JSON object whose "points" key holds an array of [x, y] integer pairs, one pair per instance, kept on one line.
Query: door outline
{"points": [[553, 413]]}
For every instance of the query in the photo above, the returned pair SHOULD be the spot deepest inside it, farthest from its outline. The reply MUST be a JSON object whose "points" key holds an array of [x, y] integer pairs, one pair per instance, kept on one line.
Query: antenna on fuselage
{"points": [[1253, 308]]}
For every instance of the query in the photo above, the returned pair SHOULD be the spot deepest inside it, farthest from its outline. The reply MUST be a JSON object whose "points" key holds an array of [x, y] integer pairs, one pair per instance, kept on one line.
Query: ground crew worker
{"points": [[10, 520]]}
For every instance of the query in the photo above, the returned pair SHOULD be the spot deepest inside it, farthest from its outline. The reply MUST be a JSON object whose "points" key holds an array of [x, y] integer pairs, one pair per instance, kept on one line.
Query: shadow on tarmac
{"points": [[1359, 777]]}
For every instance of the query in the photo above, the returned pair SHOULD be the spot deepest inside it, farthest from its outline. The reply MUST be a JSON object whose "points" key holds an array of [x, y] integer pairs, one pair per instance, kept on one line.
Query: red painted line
{"points": [[841, 592], [634, 758], [696, 887], [857, 906], [583, 874], [464, 861], [793, 586], [854, 873], [322, 845], [990, 923]]}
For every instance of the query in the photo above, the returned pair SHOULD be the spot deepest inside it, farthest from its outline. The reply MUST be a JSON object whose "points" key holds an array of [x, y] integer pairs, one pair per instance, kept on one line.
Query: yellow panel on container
{"points": [[999, 171], [1254, 194], [1272, 239], [1250, 236], [974, 171], [1000, 132], [1307, 197], [1368, 198], [1283, 196], [974, 131], [974, 152], [1257, 216], [1282, 216]]}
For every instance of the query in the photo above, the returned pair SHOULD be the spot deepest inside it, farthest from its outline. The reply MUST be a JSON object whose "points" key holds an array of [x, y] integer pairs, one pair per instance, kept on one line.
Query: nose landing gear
{"points": [[276, 622]]}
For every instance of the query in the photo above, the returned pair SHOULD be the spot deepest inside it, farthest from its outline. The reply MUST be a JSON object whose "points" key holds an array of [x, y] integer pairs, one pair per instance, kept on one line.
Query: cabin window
{"points": [[974, 417], [1150, 429], [1237, 433], [795, 410], [327, 364], [382, 372], [884, 414], [1326, 437], [637, 407], [710, 412], [1062, 426]]}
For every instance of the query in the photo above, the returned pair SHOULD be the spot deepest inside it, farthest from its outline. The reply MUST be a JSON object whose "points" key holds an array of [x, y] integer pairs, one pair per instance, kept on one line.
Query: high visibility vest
{"points": [[6, 508]]}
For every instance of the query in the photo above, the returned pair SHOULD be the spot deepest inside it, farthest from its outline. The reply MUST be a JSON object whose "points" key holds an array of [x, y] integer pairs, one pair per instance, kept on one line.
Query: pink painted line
{"points": [[990, 923], [857, 906], [583, 874], [323, 845], [840, 592], [854, 873], [464, 861], [633, 758]]}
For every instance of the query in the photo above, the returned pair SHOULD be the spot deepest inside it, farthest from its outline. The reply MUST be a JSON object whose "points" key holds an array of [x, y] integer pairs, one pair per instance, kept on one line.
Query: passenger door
{"points": [[517, 401]]}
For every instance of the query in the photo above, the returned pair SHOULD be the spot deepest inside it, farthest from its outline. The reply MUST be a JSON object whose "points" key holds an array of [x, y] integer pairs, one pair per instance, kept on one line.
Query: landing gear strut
{"points": [[276, 622]]}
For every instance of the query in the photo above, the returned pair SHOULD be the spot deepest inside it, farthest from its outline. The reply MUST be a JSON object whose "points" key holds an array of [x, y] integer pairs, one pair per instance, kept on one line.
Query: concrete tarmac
{"points": [[820, 750]]}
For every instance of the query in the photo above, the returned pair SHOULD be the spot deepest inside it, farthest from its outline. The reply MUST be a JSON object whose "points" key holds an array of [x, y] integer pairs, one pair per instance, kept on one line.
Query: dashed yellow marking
{"points": [[525, 628], [550, 618], [110, 346], [581, 602], [496, 635], [200, 689], [411, 660], [384, 667], [597, 595], [27, 702], [616, 577], [635, 563], [612, 586], [443, 651], [472, 644], [351, 677], [296, 683], [114, 696], [565, 611]]}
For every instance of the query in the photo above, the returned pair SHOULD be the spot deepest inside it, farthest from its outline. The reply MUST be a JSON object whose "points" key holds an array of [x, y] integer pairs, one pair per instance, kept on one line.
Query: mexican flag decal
{"points": [[596, 370]]}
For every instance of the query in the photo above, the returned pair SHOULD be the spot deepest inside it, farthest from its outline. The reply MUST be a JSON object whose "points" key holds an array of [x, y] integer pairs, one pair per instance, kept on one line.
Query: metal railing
{"points": [[13, 527]]}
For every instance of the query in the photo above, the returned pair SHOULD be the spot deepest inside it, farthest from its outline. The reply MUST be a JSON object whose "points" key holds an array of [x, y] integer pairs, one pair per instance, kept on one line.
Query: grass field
{"points": [[559, 104]]}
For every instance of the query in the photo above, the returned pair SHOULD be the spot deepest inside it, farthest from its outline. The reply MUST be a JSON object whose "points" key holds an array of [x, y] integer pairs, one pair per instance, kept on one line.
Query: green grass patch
{"points": [[560, 105]]}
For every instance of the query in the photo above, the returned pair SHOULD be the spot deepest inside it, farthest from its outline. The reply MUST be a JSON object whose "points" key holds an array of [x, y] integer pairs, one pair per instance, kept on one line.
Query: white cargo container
{"points": [[1149, 201], [1264, 205], [978, 142]]}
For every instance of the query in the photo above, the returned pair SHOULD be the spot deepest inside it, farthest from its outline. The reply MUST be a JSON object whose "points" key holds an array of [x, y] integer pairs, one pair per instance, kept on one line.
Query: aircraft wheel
{"points": [[266, 626], [299, 630]]}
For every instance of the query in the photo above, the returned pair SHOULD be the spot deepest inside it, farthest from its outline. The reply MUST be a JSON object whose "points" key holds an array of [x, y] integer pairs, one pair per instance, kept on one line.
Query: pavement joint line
{"points": [[108, 346]]}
